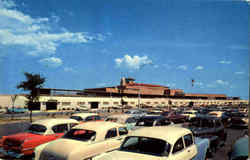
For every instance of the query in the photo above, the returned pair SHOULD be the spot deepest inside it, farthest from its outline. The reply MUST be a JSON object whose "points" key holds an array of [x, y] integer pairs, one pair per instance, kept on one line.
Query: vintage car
{"points": [[159, 143], [84, 117], [39, 132], [189, 113], [239, 150], [174, 117], [239, 119], [17, 110], [208, 127], [84, 141], [136, 112], [152, 120], [126, 119]]}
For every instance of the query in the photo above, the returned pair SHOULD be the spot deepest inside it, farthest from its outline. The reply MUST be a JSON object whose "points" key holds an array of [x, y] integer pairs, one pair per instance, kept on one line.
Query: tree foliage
{"points": [[32, 84]]}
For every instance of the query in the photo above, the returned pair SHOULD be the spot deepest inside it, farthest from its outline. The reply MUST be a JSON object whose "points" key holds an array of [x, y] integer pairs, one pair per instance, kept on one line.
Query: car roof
{"points": [[99, 126], [210, 117], [190, 110], [168, 133], [121, 118], [153, 117], [84, 115], [54, 121]]}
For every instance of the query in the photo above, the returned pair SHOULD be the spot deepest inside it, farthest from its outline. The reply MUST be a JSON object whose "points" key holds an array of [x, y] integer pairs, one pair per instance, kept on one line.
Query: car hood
{"points": [[21, 137], [62, 148], [121, 155]]}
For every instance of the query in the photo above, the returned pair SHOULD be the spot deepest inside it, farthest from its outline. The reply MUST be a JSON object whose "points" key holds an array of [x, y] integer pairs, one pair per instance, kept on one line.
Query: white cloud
{"points": [[182, 67], [171, 84], [132, 62], [51, 61], [221, 82], [199, 68], [34, 35], [239, 72], [101, 84], [69, 69], [225, 62]]}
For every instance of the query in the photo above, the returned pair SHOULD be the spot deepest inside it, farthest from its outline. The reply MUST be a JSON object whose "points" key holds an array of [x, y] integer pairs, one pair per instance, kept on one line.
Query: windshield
{"points": [[78, 118], [145, 145], [80, 134], [37, 129]]}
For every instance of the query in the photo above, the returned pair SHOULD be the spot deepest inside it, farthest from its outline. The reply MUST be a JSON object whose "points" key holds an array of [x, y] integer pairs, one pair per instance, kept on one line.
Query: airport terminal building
{"points": [[128, 93]]}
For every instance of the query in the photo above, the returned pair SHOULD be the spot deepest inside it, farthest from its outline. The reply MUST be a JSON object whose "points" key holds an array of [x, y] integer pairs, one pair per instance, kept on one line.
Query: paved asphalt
{"points": [[221, 154]]}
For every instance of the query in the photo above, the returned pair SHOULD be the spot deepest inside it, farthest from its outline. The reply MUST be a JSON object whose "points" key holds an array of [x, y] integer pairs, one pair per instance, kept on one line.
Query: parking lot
{"points": [[233, 134]]}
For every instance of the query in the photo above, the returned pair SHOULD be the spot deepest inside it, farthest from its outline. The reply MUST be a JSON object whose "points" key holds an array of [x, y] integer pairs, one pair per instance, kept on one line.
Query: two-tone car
{"points": [[84, 141], [126, 119], [39, 132], [159, 143], [85, 117]]}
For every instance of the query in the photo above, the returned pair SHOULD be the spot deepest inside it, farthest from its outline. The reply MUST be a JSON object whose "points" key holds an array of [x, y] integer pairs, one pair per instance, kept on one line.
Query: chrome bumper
{"points": [[10, 153]]}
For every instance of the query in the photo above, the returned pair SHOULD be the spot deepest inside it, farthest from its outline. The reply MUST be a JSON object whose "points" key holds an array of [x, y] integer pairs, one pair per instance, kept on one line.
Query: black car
{"points": [[209, 127], [149, 121], [238, 119]]}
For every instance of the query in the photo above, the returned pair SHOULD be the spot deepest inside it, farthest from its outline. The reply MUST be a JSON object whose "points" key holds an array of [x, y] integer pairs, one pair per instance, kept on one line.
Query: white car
{"points": [[155, 143], [84, 141], [84, 117], [190, 113]]}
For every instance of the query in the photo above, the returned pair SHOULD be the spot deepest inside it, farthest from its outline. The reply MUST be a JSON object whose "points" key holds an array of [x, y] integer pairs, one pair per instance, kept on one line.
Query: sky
{"points": [[90, 44]]}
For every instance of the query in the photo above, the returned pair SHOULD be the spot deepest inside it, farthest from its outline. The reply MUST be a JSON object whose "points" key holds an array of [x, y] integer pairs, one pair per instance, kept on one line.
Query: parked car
{"points": [[17, 110], [239, 119], [126, 119], [162, 143], [39, 132], [174, 117], [209, 127], [84, 141], [3, 110], [135, 112], [239, 150], [152, 120], [189, 113], [82, 108], [84, 117]]}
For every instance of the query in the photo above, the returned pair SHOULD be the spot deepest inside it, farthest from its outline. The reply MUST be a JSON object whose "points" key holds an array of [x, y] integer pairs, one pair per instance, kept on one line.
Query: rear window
{"points": [[37, 129], [78, 118], [80, 134]]}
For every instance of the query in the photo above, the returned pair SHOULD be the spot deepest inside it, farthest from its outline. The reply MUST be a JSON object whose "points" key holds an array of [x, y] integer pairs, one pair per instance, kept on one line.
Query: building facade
{"points": [[128, 93]]}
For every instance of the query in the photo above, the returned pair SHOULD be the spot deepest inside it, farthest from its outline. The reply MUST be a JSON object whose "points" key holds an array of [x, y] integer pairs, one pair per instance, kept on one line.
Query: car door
{"points": [[178, 152], [112, 139], [190, 147]]}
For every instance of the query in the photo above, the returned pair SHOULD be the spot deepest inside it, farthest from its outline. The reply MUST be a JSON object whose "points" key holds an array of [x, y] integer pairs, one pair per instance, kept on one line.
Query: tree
{"points": [[32, 84]]}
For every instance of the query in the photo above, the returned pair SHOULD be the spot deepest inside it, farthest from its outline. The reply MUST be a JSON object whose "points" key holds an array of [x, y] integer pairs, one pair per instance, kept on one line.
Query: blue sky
{"points": [[86, 44]]}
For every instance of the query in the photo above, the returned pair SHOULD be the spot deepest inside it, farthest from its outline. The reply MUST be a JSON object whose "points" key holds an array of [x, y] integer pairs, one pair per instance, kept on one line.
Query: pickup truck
{"points": [[153, 143]]}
